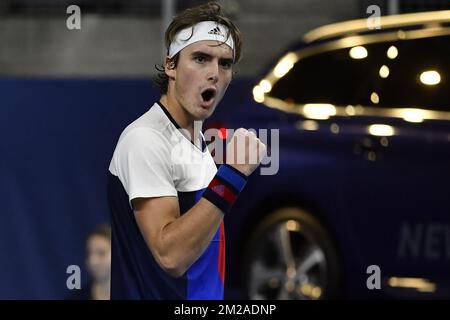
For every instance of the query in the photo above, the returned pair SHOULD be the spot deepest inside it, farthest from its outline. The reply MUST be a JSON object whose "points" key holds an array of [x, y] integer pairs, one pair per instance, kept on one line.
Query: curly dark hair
{"points": [[211, 11]]}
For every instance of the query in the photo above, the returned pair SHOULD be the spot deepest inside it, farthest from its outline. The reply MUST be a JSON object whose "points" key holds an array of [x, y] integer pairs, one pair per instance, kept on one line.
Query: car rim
{"points": [[289, 263]]}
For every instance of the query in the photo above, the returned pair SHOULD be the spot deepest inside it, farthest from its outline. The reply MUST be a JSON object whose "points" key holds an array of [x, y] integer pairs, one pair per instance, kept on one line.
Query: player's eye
{"points": [[226, 64], [199, 59]]}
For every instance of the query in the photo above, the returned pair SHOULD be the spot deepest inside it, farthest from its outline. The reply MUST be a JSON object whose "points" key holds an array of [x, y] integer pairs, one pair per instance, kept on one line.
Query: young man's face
{"points": [[202, 76], [98, 257]]}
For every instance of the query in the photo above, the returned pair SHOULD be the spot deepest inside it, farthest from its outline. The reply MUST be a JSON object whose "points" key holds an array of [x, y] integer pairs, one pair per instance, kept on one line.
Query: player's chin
{"points": [[204, 113]]}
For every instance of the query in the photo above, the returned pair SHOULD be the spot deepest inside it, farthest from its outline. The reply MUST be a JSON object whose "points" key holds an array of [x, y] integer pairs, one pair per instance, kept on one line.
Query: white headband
{"points": [[205, 30]]}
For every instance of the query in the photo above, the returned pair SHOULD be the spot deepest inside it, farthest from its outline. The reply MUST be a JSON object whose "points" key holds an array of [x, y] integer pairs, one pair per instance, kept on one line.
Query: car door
{"points": [[392, 130], [407, 205]]}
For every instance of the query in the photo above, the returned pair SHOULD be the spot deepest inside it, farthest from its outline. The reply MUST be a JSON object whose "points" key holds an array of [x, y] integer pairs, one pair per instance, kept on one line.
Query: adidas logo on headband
{"points": [[205, 30], [216, 31]]}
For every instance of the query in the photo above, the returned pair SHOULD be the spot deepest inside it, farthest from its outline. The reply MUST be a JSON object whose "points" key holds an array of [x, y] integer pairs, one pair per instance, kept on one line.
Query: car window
{"points": [[391, 75]]}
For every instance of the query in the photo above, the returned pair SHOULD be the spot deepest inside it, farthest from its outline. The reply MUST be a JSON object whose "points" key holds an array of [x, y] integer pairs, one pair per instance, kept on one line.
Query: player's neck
{"points": [[181, 116]]}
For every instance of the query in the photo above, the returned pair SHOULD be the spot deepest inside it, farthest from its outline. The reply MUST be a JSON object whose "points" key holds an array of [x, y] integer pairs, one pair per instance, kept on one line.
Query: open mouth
{"points": [[208, 95]]}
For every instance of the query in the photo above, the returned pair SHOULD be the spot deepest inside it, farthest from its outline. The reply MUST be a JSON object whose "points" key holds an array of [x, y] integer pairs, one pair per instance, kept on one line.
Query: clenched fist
{"points": [[245, 151]]}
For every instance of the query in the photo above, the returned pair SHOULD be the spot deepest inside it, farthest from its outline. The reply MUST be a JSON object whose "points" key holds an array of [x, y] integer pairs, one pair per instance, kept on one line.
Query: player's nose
{"points": [[213, 72]]}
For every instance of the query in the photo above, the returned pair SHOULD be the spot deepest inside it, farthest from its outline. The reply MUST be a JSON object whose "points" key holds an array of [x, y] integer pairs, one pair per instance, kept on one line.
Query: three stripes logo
{"points": [[216, 31]]}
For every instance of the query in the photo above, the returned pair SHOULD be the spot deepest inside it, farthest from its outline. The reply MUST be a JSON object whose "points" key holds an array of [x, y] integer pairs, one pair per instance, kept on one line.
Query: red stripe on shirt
{"points": [[221, 256]]}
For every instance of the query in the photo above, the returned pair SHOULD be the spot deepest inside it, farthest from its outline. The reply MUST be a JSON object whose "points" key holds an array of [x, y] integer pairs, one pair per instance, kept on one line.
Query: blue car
{"points": [[359, 205]]}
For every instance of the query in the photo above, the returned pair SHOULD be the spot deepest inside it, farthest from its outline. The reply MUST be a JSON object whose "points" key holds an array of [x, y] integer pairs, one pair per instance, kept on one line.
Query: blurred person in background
{"points": [[98, 263]]}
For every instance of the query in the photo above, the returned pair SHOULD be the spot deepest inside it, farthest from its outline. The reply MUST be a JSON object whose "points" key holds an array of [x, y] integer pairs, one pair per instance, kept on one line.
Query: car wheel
{"points": [[290, 256]]}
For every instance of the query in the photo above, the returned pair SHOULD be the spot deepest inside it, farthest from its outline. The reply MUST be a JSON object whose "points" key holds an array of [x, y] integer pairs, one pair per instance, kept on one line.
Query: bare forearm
{"points": [[187, 237]]}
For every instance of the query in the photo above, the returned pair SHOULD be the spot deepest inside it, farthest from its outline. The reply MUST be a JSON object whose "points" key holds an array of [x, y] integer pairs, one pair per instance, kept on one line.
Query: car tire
{"points": [[290, 256]]}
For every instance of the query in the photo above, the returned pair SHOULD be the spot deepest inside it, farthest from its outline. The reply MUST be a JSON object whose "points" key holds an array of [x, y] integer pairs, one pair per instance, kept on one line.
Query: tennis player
{"points": [[166, 195]]}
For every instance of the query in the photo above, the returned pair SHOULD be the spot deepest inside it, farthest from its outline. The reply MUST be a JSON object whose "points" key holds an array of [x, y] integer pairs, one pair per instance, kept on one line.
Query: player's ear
{"points": [[169, 67]]}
